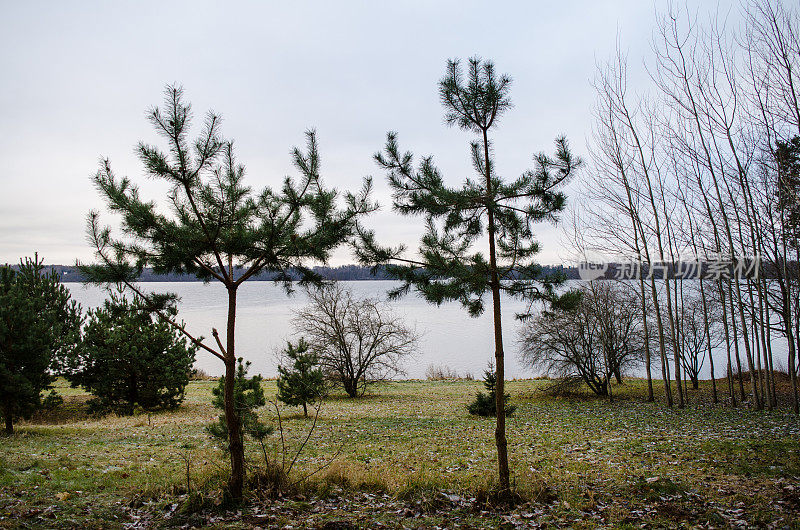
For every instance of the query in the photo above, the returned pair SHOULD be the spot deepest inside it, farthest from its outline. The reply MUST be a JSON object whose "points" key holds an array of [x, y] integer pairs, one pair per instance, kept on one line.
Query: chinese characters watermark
{"points": [[692, 268]]}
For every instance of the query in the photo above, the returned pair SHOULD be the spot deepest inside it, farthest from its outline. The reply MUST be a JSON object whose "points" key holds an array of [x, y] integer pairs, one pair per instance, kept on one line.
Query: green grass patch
{"points": [[577, 461]]}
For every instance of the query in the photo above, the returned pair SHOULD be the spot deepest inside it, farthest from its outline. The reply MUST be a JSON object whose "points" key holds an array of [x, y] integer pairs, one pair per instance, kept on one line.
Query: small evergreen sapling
{"points": [[302, 383], [248, 397], [485, 404]]}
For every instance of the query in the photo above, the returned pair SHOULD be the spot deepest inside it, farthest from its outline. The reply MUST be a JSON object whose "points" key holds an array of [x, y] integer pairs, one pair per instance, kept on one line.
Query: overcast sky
{"points": [[77, 79]]}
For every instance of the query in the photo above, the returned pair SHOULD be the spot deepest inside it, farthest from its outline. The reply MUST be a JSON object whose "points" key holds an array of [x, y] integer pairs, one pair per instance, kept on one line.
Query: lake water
{"points": [[449, 336]]}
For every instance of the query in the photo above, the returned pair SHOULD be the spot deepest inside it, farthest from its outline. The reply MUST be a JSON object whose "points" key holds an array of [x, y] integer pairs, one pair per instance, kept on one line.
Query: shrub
{"points": [[198, 374], [302, 383], [359, 341], [440, 373], [600, 338], [130, 358], [485, 404]]}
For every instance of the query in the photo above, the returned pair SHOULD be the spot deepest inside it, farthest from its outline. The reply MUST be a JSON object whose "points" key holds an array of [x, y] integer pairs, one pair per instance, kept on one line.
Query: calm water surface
{"points": [[449, 336], [263, 325]]}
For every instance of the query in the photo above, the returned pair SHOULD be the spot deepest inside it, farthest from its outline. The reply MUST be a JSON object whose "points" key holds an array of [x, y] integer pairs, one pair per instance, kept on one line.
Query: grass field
{"points": [[410, 455]]}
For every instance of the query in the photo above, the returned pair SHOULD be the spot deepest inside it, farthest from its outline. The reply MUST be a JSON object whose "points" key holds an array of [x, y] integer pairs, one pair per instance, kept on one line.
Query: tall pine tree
{"points": [[485, 209], [217, 229]]}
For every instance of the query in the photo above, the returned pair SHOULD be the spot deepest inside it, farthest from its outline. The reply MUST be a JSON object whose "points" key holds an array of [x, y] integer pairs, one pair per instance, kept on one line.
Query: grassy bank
{"points": [[411, 452]]}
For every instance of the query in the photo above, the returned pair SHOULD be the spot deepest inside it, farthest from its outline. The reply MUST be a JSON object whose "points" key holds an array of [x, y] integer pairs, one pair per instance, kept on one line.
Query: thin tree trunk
{"points": [[9, 421], [731, 390], [499, 358], [675, 349], [768, 343], [747, 350], [637, 248], [620, 109], [768, 317], [736, 344], [708, 342], [647, 361], [787, 323], [758, 348], [792, 372], [232, 420], [786, 317], [762, 311]]}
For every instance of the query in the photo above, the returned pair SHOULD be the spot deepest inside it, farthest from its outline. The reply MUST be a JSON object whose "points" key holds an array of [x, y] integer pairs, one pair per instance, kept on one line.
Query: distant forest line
{"points": [[71, 273]]}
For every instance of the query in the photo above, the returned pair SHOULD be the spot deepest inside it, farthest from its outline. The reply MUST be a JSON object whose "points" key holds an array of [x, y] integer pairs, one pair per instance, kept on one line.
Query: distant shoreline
{"points": [[71, 274]]}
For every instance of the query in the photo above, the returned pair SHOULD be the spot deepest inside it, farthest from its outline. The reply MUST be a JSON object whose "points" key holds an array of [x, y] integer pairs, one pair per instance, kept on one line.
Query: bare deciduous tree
{"points": [[703, 165], [603, 337], [701, 326], [359, 341]]}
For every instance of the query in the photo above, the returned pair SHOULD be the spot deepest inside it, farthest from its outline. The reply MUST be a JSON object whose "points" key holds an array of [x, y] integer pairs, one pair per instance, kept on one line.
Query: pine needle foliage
{"points": [[128, 358], [484, 208], [485, 403], [457, 217], [302, 381], [248, 398], [217, 228], [39, 327]]}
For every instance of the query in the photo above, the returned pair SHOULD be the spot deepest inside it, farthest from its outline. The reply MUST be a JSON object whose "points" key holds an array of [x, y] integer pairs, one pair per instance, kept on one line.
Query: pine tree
{"points": [[217, 229], [485, 404], [248, 397], [458, 218], [130, 358], [39, 326], [302, 383]]}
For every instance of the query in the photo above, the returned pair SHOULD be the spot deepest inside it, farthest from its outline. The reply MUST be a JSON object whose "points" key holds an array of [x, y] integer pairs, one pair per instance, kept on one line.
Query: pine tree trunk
{"points": [[500, 406], [232, 420], [305, 410], [133, 391]]}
